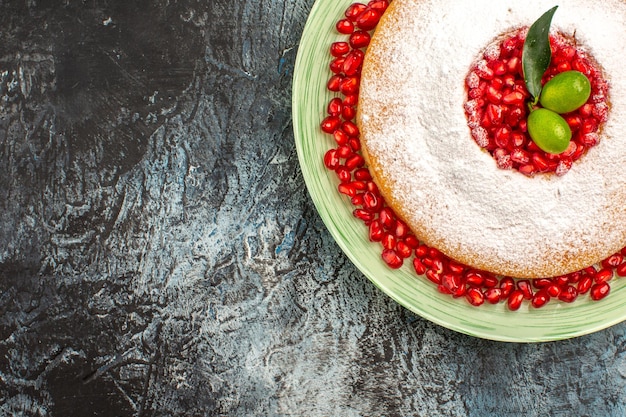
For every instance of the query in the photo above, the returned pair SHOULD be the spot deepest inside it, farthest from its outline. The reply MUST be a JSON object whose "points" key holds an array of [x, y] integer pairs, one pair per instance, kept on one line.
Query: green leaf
{"points": [[536, 53]]}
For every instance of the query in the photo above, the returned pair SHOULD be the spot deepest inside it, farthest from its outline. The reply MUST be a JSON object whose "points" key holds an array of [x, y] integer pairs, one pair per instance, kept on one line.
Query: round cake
{"points": [[417, 143]]}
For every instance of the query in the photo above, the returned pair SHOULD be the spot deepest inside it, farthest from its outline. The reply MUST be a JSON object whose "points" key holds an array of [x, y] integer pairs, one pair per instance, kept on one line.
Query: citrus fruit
{"points": [[549, 130], [565, 92]]}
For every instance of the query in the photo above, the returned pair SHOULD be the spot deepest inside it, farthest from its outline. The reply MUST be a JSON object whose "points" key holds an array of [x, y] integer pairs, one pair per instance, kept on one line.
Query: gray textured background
{"points": [[160, 256]]}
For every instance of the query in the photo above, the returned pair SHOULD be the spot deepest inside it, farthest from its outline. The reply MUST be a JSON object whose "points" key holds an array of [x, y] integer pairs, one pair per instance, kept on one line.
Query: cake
{"points": [[421, 154]]}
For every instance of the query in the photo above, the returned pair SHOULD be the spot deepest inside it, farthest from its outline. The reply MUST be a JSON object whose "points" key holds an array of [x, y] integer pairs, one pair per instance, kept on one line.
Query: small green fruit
{"points": [[565, 92], [549, 130]]}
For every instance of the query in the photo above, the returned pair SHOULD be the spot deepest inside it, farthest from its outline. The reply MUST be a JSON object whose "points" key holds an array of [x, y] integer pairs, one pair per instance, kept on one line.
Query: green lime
{"points": [[565, 92], [549, 130]]}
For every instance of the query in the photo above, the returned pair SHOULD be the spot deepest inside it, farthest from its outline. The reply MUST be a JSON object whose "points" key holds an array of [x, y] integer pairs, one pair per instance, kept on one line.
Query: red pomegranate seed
{"points": [[379, 5], [354, 161], [360, 39], [352, 62], [613, 261], [490, 281], [368, 19], [403, 249], [493, 295], [376, 231], [569, 294], [475, 296], [364, 215], [348, 112], [349, 85], [362, 174], [389, 241], [621, 270], [338, 49], [344, 175], [347, 189], [599, 291], [345, 26], [515, 299], [507, 285], [584, 284], [412, 241], [541, 282], [334, 83], [433, 276], [387, 218], [371, 202], [350, 128], [354, 10], [392, 259], [331, 159], [525, 287], [419, 266], [553, 290], [330, 124], [336, 65], [341, 137], [474, 278], [603, 275], [357, 200], [401, 229], [335, 106], [540, 299]]}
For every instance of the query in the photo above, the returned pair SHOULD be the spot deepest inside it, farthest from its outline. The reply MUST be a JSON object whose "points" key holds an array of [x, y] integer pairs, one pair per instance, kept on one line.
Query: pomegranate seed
{"points": [[507, 285], [452, 282], [349, 85], [475, 296], [412, 241], [525, 287], [350, 128], [347, 189], [553, 290], [603, 275], [330, 124], [336, 65], [392, 259], [621, 270], [371, 201], [403, 250], [569, 294], [613, 261], [376, 231], [331, 160], [334, 83], [344, 174], [362, 174], [345, 26], [351, 100], [360, 39], [599, 291], [389, 241], [542, 282], [364, 215], [338, 49], [540, 299], [352, 62], [514, 97], [354, 10], [401, 229], [419, 266], [433, 276], [584, 284], [474, 279], [368, 19], [490, 281], [421, 251], [387, 218], [493, 295], [354, 161], [515, 299], [379, 5], [341, 137]]}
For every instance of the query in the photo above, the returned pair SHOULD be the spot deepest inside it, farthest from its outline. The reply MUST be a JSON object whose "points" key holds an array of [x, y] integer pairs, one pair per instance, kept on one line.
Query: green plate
{"points": [[554, 321]]}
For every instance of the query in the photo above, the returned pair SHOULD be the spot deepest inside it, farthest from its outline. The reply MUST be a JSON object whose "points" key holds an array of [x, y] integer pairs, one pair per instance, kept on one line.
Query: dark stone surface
{"points": [[159, 254]]}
